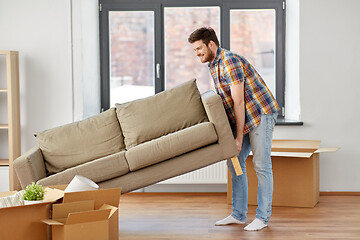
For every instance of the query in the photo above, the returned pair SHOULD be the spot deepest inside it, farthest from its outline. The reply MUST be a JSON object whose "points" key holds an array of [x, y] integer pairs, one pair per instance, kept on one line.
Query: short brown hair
{"points": [[206, 34]]}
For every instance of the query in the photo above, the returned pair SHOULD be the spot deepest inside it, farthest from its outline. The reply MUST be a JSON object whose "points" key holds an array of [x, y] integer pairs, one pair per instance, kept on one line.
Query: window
{"points": [[131, 54], [144, 48], [180, 61]]}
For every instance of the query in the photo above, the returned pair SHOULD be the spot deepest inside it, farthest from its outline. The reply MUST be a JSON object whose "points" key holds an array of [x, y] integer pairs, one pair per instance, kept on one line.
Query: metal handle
{"points": [[158, 70]]}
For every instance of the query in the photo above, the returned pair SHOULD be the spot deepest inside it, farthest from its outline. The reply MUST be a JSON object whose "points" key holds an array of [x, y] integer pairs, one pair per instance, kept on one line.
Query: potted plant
{"points": [[34, 193]]}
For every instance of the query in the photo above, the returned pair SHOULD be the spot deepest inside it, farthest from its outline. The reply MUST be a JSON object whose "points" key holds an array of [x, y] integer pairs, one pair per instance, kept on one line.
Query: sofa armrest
{"points": [[30, 167], [216, 114]]}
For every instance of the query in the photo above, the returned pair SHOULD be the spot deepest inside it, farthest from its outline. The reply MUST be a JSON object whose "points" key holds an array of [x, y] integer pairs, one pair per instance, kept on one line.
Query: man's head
{"points": [[205, 43]]}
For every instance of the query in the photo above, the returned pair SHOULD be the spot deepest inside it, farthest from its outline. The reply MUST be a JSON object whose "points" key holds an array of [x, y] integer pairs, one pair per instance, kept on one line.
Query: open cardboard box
{"points": [[24, 222], [295, 166], [86, 215]]}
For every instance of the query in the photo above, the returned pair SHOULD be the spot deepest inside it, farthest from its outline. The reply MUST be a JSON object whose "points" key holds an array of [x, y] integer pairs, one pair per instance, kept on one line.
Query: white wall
{"points": [[329, 86], [292, 56], [86, 58], [328, 76], [4, 178], [40, 31]]}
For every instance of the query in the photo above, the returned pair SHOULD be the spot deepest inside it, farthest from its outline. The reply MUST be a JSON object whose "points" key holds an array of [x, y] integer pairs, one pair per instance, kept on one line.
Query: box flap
{"points": [[284, 145], [52, 195], [62, 210], [289, 154], [292, 154], [324, 150], [52, 222], [60, 187], [14, 198], [106, 206], [88, 216], [103, 196]]}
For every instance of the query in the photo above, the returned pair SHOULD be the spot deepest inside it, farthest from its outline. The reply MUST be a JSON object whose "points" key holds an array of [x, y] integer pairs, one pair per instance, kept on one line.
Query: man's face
{"points": [[203, 52]]}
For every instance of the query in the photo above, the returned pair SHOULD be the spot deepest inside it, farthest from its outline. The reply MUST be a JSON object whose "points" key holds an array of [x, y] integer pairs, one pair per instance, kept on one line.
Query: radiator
{"points": [[213, 174]]}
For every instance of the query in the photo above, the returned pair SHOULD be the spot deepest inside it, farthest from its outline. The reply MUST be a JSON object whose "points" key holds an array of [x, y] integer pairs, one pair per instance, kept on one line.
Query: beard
{"points": [[208, 56]]}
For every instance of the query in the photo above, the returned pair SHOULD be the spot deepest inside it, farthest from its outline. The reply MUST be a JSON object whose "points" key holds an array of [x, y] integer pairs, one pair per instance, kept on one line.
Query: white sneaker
{"points": [[255, 225], [228, 220]]}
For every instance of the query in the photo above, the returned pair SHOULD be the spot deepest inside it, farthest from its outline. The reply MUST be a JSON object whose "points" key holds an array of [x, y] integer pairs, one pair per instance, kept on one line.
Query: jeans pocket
{"points": [[271, 123], [275, 115]]}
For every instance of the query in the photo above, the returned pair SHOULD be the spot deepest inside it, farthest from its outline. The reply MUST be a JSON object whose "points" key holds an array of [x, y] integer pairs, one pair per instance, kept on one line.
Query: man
{"points": [[252, 112]]}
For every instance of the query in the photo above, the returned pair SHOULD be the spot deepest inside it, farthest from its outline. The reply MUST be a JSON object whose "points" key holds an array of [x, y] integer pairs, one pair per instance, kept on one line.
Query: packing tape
{"points": [[237, 167]]}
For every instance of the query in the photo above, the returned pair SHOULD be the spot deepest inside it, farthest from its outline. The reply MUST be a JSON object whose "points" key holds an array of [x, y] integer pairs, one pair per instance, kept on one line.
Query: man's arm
{"points": [[237, 95]]}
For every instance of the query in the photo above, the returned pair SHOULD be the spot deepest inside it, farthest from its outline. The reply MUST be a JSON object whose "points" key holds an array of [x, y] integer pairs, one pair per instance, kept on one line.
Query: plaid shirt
{"points": [[229, 69]]}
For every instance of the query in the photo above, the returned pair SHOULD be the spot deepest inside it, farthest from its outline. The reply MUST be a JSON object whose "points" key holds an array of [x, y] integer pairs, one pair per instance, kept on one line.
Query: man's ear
{"points": [[212, 45]]}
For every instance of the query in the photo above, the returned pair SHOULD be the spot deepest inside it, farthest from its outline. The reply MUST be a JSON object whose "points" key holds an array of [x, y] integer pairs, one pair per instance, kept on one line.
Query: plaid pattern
{"points": [[229, 69]]}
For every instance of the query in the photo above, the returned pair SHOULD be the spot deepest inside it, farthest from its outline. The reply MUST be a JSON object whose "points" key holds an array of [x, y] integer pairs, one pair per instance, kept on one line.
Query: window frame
{"points": [[225, 7], [104, 44]]}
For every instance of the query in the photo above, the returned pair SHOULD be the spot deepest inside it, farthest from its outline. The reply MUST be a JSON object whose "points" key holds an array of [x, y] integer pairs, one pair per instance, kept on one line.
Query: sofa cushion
{"points": [[79, 142], [98, 170], [166, 112], [171, 145]]}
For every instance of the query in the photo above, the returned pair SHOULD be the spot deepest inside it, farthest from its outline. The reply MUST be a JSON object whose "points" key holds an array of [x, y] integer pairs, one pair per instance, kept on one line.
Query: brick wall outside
{"points": [[132, 34]]}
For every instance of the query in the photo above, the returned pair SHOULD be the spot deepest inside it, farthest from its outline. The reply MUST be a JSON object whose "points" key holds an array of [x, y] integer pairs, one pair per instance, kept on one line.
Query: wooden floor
{"points": [[176, 216]]}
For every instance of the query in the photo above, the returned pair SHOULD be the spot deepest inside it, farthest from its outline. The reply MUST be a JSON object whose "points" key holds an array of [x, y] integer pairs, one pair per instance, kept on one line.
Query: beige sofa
{"points": [[135, 144]]}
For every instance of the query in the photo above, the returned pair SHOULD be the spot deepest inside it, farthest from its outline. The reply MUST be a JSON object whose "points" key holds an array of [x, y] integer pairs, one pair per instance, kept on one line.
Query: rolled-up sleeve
{"points": [[233, 71]]}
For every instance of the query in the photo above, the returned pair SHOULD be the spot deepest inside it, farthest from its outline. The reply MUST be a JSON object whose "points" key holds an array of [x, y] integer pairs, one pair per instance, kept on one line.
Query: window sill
{"points": [[286, 122]]}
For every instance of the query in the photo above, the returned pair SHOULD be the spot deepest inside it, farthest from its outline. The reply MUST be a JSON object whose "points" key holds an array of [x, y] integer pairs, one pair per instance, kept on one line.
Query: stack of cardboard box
{"points": [[76, 215]]}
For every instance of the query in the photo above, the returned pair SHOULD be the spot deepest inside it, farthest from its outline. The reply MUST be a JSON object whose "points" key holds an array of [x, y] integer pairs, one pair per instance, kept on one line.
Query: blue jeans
{"points": [[259, 141]]}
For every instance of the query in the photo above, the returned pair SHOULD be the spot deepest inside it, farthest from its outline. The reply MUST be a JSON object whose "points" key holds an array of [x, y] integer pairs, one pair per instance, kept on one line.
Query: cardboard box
{"points": [[86, 215], [24, 222], [295, 166]]}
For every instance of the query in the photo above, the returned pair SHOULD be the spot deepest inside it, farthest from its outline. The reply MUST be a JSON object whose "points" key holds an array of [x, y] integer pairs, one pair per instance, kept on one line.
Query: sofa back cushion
{"points": [[79, 142], [166, 112]]}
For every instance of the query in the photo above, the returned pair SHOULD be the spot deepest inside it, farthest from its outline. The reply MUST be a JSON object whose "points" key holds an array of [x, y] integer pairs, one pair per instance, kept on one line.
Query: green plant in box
{"points": [[34, 192]]}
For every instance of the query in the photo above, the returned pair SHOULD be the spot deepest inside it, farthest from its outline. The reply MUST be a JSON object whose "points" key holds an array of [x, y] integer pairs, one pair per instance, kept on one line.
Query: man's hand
{"points": [[238, 142]]}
